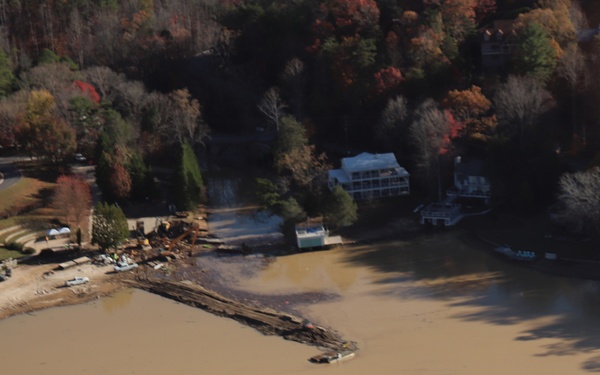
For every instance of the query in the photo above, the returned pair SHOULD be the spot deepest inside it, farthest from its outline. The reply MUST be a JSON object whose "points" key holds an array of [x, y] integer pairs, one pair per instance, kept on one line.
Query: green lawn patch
{"points": [[27, 194], [5, 254]]}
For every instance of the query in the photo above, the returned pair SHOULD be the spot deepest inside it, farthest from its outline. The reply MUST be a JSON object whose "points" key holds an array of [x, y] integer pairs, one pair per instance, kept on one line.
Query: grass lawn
{"points": [[5, 254], [25, 192], [32, 190]]}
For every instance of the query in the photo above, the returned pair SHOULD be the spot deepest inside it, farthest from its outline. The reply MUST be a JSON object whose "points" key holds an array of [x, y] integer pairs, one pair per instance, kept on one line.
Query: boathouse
{"points": [[312, 233], [371, 176], [441, 214]]}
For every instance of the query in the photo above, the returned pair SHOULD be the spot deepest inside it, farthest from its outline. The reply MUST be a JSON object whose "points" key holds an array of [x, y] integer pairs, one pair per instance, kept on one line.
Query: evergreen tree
{"points": [[109, 226], [142, 182], [6, 75], [535, 54], [292, 135], [189, 186], [342, 211]]}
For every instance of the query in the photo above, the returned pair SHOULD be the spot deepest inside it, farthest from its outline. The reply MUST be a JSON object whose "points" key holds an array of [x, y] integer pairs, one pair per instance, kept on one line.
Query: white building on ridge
{"points": [[370, 176]]}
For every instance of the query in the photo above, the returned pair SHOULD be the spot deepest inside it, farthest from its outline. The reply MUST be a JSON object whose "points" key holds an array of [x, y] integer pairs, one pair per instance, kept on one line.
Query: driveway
{"points": [[11, 174]]}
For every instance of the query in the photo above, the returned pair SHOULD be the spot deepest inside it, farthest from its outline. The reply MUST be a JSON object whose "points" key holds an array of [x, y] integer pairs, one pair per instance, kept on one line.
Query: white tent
{"points": [[64, 230], [52, 232]]}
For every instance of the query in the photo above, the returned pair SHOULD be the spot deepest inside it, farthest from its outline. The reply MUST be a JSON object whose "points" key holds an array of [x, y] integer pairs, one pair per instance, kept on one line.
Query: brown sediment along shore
{"points": [[265, 320]]}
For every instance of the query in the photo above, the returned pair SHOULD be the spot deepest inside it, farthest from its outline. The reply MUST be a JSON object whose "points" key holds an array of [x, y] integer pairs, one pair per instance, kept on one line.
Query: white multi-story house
{"points": [[370, 176]]}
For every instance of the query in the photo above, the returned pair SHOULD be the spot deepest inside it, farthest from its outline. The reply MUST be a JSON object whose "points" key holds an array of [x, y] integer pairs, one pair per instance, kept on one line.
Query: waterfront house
{"points": [[371, 176], [470, 180]]}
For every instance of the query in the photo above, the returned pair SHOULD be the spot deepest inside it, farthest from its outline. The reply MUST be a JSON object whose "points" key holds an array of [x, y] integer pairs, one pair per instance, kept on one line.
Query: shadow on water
{"points": [[444, 267]]}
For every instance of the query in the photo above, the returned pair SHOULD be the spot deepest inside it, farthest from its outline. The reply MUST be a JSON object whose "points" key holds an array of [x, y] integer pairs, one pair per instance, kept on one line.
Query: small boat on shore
{"points": [[516, 255], [332, 357]]}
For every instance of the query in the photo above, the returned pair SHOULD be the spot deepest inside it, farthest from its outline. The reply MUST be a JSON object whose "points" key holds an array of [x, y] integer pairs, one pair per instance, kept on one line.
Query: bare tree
{"points": [[570, 67], [185, 119], [130, 99], [392, 120], [578, 19], [428, 132], [75, 35], [273, 106], [519, 103], [55, 78], [11, 109], [293, 79], [579, 197], [160, 105], [107, 26], [104, 80]]}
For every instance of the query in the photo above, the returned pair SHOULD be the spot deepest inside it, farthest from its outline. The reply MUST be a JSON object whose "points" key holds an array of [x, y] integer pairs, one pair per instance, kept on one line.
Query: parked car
{"points": [[77, 281], [122, 266], [80, 158]]}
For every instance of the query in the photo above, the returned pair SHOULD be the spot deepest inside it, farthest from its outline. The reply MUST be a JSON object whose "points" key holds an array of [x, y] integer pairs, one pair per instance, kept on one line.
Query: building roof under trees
{"points": [[368, 162]]}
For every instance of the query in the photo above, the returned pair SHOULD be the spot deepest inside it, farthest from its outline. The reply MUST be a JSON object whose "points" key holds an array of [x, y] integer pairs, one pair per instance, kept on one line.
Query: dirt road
{"points": [[36, 287]]}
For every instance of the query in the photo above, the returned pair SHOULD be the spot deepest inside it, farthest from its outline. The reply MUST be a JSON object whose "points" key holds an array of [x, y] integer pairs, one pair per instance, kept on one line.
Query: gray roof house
{"points": [[470, 180], [371, 176]]}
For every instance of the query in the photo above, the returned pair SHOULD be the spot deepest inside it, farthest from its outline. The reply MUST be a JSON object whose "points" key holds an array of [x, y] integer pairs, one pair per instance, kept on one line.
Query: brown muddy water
{"points": [[431, 306]]}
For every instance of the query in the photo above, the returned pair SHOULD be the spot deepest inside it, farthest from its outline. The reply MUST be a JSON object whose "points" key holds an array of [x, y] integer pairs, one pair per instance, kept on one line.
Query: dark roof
{"points": [[470, 168]]}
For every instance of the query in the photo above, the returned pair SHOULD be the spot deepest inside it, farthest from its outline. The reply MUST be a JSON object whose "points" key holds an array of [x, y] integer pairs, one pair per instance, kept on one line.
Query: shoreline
{"points": [[212, 294]]}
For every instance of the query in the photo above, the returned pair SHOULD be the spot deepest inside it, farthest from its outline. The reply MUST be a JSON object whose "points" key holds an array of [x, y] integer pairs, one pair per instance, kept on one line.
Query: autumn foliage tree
{"points": [[73, 199], [41, 132], [472, 109], [344, 32]]}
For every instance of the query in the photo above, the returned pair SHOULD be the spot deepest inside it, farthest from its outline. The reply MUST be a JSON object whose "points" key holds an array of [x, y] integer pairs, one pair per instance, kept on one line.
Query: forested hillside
{"points": [[124, 81]]}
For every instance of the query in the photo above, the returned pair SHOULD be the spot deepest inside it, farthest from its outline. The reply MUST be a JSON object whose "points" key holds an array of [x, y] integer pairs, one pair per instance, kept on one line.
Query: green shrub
{"points": [[29, 250], [14, 246]]}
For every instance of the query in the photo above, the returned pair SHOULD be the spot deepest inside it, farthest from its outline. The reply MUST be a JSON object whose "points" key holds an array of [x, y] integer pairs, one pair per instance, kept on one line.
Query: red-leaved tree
{"points": [[88, 90], [388, 80], [73, 198]]}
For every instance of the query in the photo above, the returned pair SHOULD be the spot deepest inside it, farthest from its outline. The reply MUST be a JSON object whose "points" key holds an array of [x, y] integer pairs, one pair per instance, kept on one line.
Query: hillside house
{"points": [[470, 180], [497, 44], [371, 176]]}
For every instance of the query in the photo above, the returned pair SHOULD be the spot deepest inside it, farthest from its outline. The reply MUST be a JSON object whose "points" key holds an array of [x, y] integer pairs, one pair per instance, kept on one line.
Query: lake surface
{"points": [[430, 306], [433, 305]]}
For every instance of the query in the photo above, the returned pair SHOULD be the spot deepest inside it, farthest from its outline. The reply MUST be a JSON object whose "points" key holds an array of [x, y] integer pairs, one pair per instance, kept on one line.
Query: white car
{"points": [[79, 158], [122, 266], [77, 281]]}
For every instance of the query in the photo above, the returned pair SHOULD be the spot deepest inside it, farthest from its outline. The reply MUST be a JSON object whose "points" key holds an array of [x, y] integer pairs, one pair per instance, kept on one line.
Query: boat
{"points": [[333, 357], [516, 255]]}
